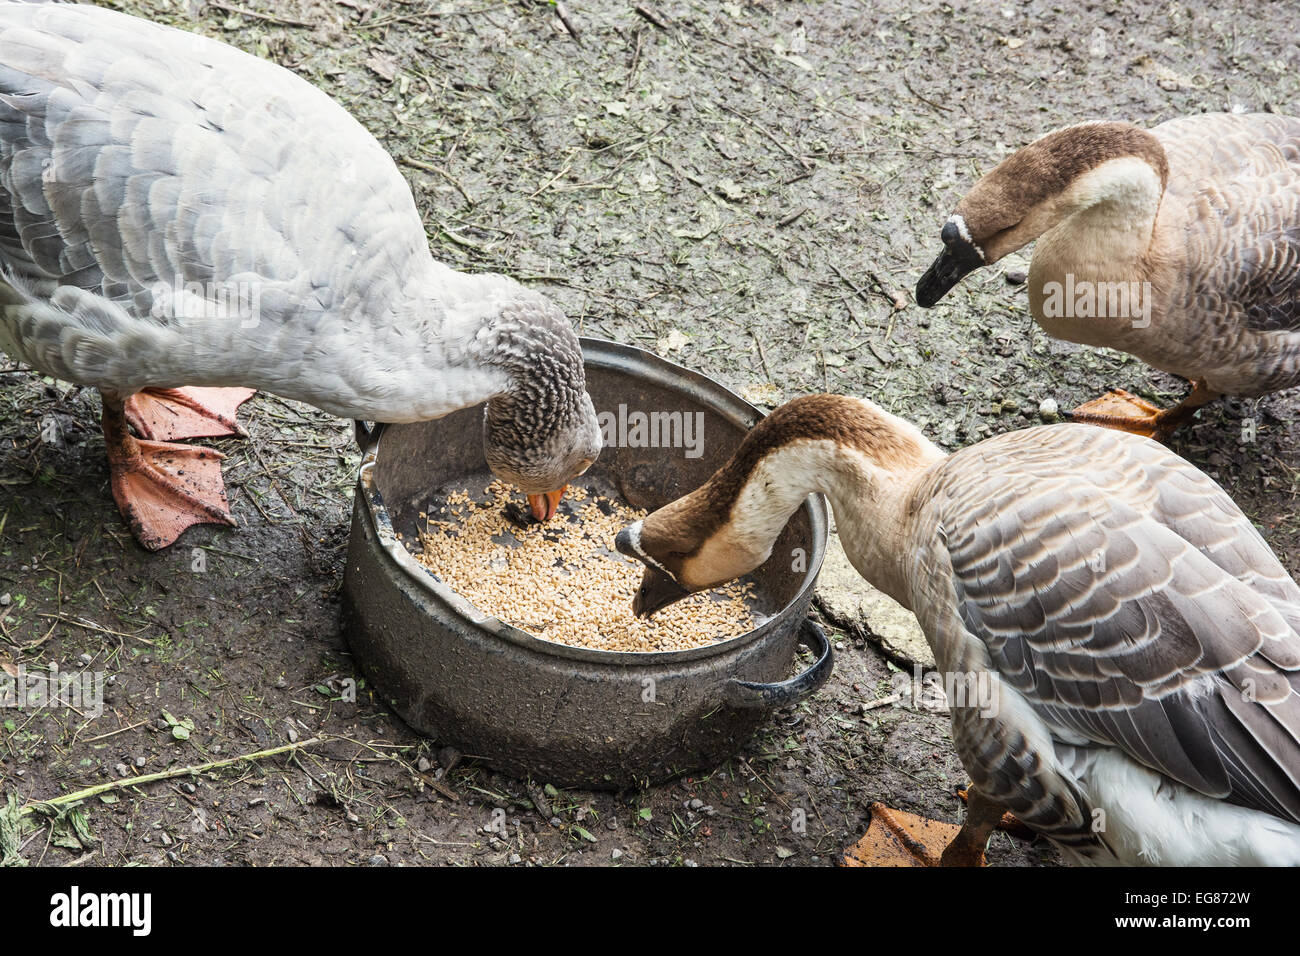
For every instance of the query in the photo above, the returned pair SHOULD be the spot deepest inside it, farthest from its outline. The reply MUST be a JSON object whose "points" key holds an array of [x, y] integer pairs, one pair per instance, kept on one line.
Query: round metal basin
{"points": [[568, 715]]}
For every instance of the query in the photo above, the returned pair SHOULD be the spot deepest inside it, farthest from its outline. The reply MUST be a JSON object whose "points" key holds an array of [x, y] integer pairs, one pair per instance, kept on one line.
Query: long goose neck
{"points": [[530, 340], [868, 468], [456, 339], [1106, 226]]}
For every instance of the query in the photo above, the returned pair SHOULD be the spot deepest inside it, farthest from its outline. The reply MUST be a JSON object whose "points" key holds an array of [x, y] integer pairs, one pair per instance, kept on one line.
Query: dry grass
{"points": [[563, 581]]}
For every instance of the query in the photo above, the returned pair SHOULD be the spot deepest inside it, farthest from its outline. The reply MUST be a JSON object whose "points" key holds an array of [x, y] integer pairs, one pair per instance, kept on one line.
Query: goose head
{"points": [[844, 447], [1039, 186], [541, 432], [541, 453]]}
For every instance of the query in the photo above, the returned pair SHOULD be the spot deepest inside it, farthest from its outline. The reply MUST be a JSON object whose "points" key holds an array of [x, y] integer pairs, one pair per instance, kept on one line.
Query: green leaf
{"points": [[646, 813], [180, 732], [584, 834]]}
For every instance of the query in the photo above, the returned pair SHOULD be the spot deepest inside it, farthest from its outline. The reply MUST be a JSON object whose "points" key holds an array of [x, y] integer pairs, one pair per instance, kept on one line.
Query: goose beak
{"points": [[656, 592], [544, 506], [960, 257], [954, 263]]}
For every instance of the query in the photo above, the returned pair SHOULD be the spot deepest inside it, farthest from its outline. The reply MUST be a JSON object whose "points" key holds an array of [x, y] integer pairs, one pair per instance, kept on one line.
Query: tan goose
{"points": [[1180, 245], [1137, 642]]}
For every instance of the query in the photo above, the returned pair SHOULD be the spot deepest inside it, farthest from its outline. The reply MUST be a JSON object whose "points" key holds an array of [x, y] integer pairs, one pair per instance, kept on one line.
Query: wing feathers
{"points": [[1131, 604]]}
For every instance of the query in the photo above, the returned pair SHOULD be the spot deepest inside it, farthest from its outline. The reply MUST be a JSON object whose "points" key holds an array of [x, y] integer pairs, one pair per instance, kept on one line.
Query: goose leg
{"points": [[168, 414], [983, 816], [1008, 823], [161, 488], [1125, 411]]}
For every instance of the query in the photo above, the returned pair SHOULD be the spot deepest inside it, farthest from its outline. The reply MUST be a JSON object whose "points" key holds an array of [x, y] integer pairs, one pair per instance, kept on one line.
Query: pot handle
{"points": [[367, 434], [750, 695]]}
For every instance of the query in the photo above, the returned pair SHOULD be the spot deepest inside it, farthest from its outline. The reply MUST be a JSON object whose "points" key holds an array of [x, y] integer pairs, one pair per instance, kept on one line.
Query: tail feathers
{"points": [[74, 335]]}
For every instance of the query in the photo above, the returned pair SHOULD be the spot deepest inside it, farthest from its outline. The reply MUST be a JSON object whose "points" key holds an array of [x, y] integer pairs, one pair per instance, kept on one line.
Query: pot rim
{"points": [[648, 366]]}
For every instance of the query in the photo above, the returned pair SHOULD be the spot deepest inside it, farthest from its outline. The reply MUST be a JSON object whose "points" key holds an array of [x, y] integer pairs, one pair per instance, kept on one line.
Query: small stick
{"points": [[242, 11], [165, 775], [792, 217], [941, 109], [761, 356], [883, 701], [433, 168], [645, 13], [114, 733], [562, 12]]}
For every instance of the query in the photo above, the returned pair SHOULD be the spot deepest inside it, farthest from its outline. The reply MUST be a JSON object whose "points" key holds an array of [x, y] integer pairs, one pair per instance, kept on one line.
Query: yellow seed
{"points": [[576, 590]]}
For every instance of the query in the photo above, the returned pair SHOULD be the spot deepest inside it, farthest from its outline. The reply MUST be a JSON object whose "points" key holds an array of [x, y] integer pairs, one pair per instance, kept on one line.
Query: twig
{"points": [[79, 795], [883, 701], [434, 168], [242, 11], [889, 294], [636, 60], [114, 733], [769, 134], [562, 12], [462, 241], [762, 357], [645, 13], [931, 103], [92, 626], [792, 217], [779, 799]]}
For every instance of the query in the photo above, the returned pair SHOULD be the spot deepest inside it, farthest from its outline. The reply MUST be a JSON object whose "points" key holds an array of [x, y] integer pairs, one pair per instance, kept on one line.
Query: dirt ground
{"points": [[763, 178]]}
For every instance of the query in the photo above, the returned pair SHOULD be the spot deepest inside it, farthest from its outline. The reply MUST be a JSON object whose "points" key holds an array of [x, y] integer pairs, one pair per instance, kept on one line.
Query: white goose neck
{"points": [[870, 500], [1108, 219]]}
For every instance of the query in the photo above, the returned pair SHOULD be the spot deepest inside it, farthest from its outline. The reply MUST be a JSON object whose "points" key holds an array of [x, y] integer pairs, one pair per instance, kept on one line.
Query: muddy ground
{"points": [[763, 178]]}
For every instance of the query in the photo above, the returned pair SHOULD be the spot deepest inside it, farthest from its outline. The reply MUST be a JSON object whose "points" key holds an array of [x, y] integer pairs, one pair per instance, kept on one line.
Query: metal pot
{"points": [[573, 716]]}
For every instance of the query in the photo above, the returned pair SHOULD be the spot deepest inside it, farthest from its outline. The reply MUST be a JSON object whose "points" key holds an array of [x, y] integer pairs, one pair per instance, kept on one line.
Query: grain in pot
{"points": [[563, 581]]}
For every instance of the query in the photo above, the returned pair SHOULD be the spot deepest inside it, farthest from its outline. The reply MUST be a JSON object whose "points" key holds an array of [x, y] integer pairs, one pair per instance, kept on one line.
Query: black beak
{"points": [[656, 592], [958, 259], [623, 544]]}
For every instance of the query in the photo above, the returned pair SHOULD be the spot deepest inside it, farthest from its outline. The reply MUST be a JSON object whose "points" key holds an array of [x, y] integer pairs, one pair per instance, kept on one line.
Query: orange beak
{"points": [[544, 506]]}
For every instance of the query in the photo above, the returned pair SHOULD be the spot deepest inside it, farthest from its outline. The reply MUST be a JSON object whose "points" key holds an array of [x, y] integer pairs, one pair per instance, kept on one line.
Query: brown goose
{"points": [[1180, 245], [1128, 644]]}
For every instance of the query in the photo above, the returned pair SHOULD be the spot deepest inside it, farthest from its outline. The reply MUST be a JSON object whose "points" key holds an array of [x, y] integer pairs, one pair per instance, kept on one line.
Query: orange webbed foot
{"points": [[170, 414], [1125, 412], [163, 488]]}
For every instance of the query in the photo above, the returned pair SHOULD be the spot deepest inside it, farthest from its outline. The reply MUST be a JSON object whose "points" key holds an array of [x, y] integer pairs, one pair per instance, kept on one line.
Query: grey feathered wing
{"points": [[1132, 604], [1235, 183]]}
